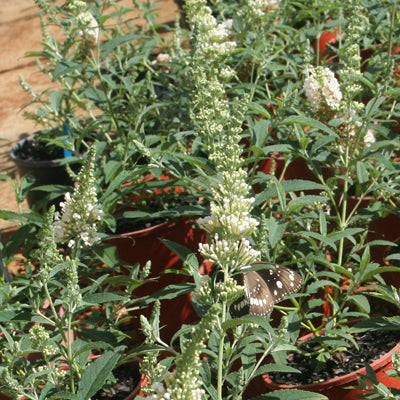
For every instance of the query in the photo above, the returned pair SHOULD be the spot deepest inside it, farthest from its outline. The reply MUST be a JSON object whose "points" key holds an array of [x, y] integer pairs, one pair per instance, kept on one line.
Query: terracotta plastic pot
{"points": [[327, 37], [143, 245], [335, 389], [383, 228]]}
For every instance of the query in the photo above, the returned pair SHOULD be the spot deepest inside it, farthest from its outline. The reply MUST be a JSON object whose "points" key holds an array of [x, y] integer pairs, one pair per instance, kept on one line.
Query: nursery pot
{"points": [[145, 244], [335, 389], [45, 171]]}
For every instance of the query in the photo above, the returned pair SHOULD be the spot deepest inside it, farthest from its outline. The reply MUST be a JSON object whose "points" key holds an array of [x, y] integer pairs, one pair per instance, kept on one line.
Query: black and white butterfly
{"points": [[264, 287]]}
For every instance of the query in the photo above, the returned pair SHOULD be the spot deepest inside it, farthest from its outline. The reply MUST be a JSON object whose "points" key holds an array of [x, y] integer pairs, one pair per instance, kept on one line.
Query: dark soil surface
{"points": [[127, 378], [373, 345], [31, 150]]}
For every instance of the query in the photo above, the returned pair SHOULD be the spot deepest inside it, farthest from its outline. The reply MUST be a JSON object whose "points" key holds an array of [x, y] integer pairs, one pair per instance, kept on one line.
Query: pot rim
{"points": [[146, 231], [162, 226]]}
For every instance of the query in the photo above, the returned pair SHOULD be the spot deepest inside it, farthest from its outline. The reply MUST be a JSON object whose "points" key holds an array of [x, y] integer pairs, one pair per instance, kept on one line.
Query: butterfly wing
{"points": [[266, 287], [241, 306]]}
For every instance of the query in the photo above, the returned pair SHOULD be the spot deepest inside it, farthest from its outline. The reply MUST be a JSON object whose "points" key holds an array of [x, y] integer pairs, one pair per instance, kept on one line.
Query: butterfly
{"points": [[264, 288]]}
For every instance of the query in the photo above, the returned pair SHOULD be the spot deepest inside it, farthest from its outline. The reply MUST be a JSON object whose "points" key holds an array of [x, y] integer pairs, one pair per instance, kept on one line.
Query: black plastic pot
{"points": [[45, 171]]}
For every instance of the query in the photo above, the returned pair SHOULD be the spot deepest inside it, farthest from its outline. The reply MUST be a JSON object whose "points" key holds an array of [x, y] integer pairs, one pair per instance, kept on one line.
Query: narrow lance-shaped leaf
{"points": [[96, 374]]}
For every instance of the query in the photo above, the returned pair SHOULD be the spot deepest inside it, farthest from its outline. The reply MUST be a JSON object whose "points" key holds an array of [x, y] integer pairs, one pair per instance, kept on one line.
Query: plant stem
{"points": [[221, 353], [64, 335]]}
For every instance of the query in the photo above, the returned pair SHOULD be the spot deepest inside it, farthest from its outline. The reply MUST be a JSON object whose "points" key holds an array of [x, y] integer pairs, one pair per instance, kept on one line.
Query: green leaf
{"points": [[294, 185], [361, 301], [259, 109], [108, 254], [277, 229], [59, 395], [100, 338], [378, 324], [266, 369], [314, 286], [297, 119], [96, 374], [247, 319], [206, 376], [7, 316], [318, 237], [11, 215], [362, 173], [278, 148], [8, 337], [373, 105], [64, 67], [261, 132], [347, 234], [96, 95], [112, 44], [182, 252], [189, 259], [170, 292], [116, 182], [98, 298], [302, 201], [55, 100], [290, 394]]}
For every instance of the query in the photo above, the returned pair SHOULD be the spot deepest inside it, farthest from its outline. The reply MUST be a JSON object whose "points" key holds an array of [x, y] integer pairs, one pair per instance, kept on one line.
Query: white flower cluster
{"points": [[80, 212], [214, 39], [235, 182], [272, 3], [229, 290], [75, 5], [49, 350], [93, 30], [222, 31], [235, 254], [321, 87], [167, 394], [257, 8], [204, 294], [354, 123], [369, 137], [77, 220], [161, 58], [227, 157], [38, 337], [232, 217]]}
